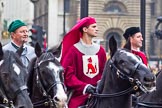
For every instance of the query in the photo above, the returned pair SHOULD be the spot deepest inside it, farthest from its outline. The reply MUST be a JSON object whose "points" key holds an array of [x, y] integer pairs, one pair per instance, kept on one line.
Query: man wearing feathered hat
{"points": [[83, 61], [134, 40], [19, 36]]}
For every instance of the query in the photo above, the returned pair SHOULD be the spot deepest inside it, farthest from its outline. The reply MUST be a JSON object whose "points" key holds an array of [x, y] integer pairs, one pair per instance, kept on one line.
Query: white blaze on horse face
{"points": [[60, 94], [16, 69], [1, 62]]}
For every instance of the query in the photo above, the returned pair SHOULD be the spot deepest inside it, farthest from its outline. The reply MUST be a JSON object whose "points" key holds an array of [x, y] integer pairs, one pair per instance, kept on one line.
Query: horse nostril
{"points": [[56, 99], [149, 78]]}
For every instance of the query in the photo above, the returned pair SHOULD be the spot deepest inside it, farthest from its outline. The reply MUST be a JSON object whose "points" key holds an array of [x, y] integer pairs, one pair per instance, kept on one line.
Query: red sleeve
{"points": [[71, 80], [103, 59]]}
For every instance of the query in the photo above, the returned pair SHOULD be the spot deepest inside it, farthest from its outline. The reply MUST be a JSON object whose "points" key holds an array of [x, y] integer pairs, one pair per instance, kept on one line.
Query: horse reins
{"points": [[149, 105]]}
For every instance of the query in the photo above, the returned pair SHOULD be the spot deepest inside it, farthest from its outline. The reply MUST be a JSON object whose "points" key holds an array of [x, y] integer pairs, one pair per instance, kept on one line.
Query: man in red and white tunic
{"points": [[83, 61]]}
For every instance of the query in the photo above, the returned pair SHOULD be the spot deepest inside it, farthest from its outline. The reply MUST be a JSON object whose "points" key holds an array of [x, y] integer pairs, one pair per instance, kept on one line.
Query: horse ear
{"points": [[20, 50], [38, 50], [1, 51], [112, 46], [56, 50]]}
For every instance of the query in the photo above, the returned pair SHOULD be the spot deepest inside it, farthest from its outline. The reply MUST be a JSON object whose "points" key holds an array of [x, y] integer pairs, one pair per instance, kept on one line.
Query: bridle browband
{"points": [[48, 101]]}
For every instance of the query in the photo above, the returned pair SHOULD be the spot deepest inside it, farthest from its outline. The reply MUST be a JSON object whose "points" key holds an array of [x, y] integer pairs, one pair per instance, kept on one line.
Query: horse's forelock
{"points": [[46, 56], [129, 54]]}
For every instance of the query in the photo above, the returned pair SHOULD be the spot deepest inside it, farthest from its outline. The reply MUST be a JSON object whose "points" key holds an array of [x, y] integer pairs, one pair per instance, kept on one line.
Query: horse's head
{"points": [[50, 75], [130, 67], [13, 79]]}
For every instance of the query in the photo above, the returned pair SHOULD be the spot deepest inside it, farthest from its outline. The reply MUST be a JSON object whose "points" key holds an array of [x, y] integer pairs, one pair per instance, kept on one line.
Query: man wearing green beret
{"points": [[19, 36]]}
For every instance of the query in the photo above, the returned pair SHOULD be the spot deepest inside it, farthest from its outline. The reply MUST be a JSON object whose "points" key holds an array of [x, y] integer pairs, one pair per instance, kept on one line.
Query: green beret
{"points": [[15, 25]]}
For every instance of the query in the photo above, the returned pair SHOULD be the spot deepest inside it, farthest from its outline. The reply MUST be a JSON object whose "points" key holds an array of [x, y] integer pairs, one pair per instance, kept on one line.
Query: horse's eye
{"points": [[121, 62], [4, 75]]}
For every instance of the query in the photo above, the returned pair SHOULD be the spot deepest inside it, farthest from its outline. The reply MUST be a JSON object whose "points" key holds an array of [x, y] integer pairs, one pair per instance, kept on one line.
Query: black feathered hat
{"points": [[130, 32]]}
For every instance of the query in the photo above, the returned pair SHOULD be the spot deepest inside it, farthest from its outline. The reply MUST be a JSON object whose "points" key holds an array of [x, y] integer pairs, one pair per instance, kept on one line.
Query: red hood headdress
{"points": [[73, 36]]}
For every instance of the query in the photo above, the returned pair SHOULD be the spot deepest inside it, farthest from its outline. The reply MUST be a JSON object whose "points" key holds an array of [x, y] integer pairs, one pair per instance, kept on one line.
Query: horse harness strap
{"points": [[120, 74], [5, 102], [149, 105], [53, 85], [129, 90], [43, 102], [24, 87], [9, 103]]}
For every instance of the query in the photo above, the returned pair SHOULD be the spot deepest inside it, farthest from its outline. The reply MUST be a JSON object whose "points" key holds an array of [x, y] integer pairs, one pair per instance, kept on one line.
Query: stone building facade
{"points": [[113, 17]]}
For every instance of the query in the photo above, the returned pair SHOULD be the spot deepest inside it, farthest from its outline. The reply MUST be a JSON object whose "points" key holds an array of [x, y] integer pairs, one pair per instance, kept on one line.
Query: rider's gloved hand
{"points": [[90, 89]]}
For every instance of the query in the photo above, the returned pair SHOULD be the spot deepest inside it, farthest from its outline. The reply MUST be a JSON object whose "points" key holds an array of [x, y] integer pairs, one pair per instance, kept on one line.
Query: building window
{"points": [[115, 7]]}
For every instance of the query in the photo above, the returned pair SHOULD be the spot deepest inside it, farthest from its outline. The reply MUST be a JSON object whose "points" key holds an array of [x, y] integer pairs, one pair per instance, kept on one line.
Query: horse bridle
{"points": [[6, 102], [48, 101], [134, 82], [123, 76]]}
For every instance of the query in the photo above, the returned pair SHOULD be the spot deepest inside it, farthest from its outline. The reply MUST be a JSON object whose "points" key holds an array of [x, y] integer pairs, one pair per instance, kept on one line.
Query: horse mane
{"points": [[45, 56], [56, 50], [11, 57], [30, 75], [102, 82]]}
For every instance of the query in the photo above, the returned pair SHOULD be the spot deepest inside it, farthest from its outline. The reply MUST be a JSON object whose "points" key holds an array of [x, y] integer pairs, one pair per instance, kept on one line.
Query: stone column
{"points": [[53, 37]]}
